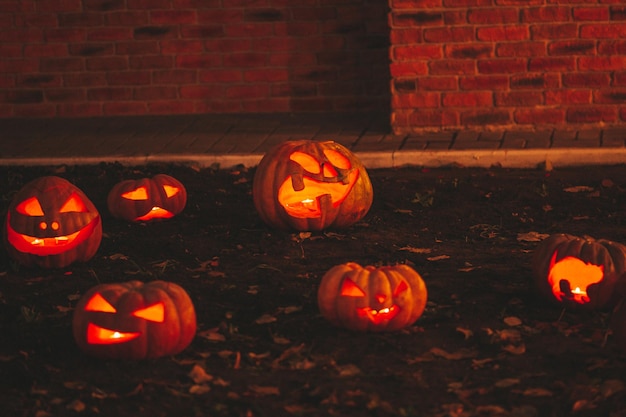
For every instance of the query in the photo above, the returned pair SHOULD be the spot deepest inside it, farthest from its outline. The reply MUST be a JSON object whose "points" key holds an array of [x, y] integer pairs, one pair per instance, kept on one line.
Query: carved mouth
{"points": [[379, 316], [97, 335], [44, 246], [155, 213]]}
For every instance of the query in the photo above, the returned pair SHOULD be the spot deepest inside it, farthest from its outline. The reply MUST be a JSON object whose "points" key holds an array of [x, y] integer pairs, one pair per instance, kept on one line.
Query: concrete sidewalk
{"points": [[232, 139]]}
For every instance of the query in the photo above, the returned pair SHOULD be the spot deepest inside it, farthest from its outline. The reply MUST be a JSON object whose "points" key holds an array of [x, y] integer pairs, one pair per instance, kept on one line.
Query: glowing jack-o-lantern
{"points": [[310, 186], [133, 320], [51, 223], [146, 199], [579, 272], [372, 299]]}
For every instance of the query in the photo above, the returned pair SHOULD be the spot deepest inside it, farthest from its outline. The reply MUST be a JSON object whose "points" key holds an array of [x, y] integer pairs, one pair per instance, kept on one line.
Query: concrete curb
{"points": [[506, 158]]}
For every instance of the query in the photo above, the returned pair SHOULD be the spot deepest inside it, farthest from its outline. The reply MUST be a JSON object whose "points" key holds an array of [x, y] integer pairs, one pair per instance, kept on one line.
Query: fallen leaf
{"points": [[531, 237], [415, 250], [506, 382], [583, 405], [199, 375], [264, 390], [212, 335], [265, 319], [537, 392], [467, 333], [76, 405], [348, 370], [515, 349], [438, 258], [578, 189], [610, 387], [199, 389], [453, 356], [512, 321]]}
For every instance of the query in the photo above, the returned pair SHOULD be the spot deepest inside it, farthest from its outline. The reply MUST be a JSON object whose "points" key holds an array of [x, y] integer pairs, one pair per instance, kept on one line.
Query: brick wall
{"points": [[61, 58], [502, 63]]}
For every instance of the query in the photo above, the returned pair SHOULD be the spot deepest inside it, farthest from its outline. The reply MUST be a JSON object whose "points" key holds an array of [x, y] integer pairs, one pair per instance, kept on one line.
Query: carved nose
{"points": [[380, 298]]}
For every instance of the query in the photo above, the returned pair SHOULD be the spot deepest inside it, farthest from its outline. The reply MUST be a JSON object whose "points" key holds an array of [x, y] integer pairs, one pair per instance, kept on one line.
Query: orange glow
{"points": [[98, 303], [170, 191], [97, 335], [30, 207], [570, 277], [306, 161], [350, 289], [155, 213], [74, 204], [137, 194], [379, 316], [154, 313], [44, 246]]}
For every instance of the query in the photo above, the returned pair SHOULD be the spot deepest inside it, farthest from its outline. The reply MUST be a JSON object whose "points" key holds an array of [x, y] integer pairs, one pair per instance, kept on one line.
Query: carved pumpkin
{"points": [[372, 299], [51, 223], [146, 199], [579, 272], [133, 320], [310, 186]]}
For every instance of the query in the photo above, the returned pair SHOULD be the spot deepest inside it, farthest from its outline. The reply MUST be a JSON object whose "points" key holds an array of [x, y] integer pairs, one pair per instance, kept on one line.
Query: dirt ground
{"points": [[486, 344]]}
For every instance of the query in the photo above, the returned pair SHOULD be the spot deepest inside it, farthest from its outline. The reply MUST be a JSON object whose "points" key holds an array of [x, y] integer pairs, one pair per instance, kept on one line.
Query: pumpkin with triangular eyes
{"points": [[308, 185], [373, 299], [147, 199], [51, 223], [133, 320]]}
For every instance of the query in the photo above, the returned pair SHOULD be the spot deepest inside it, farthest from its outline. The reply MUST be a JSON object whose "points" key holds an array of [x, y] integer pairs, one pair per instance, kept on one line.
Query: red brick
{"points": [[59, 6], [434, 118], [149, 93], [503, 33], [468, 99], [79, 110], [106, 63], [484, 82], [572, 47], [35, 110], [586, 80], [546, 14], [518, 99], [408, 68], [417, 100], [452, 66], [65, 35], [174, 76], [85, 79], [247, 91], [39, 20], [128, 78], [612, 96], [602, 63], [502, 66], [554, 31], [126, 18], [245, 60], [45, 50], [539, 116], [151, 62], [109, 34], [181, 46], [405, 36], [449, 34], [583, 14], [470, 51], [65, 95], [521, 49], [265, 75], [201, 91], [535, 81], [437, 83], [619, 79], [492, 16], [62, 64], [137, 48], [415, 4], [467, 3], [103, 5], [149, 4], [248, 30], [561, 64], [612, 47], [410, 53], [171, 107], [109, 94], [416, 18], [592, 114], [166, 17], [603, 31], [80, 19], [486, 118]]}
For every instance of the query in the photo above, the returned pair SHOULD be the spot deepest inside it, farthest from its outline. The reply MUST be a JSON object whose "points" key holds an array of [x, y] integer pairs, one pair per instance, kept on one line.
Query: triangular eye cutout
{"points": [[306, 161], [350, 289], [329, 171], [337, 159], [137, 194], [402, 287], [30, 207], [170, 191], [98, 303], [155, 312], [74, 204]]}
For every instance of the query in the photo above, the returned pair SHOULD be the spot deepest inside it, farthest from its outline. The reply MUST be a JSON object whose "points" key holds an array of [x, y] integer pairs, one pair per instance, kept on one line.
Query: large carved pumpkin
{"points": [[310, 186], [51, 223], [372, 299], [146, 199], [133, 320], [579, 272]]}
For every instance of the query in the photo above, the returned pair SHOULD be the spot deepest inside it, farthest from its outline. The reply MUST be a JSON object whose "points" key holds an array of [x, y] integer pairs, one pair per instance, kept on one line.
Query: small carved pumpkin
{"points": [[133, 320], [145, 199], [51, 223], [579, 272], [372, 299], [310, 186]]}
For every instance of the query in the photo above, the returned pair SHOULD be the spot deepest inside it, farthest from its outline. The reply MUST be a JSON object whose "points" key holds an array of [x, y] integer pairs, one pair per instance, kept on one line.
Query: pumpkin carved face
{"points": [[51, 223], [307, 185], [372, 299], [146, 199], [579, 272], [134, 320]]}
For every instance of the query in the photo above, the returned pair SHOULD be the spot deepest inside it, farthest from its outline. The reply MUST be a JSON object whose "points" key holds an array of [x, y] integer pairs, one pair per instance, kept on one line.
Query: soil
{"points": [[486, 345]]}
